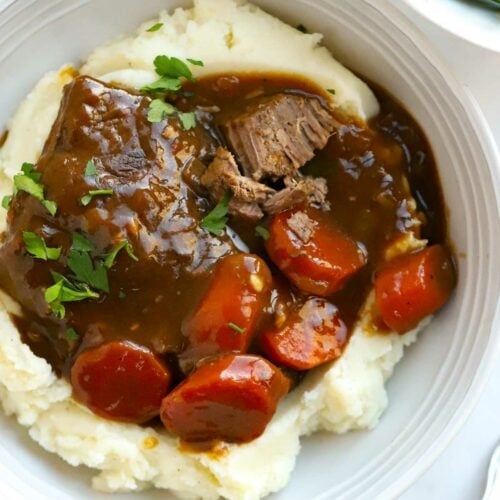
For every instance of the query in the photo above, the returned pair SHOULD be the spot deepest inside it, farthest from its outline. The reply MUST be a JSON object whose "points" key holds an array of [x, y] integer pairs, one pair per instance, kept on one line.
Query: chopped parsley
{"points": [[90, 169], [37, 248], [262, 232], [85, 200], [65, 290], [195, 62], [188, 120], [81, 244], [155, 27], [172, 71], [84, 269], [215, 221], [332, 91], [164, 84], [6, 201], [29, 182], [235, 327], [173, 67], [111, 257], [71, 334], [159, 110]]}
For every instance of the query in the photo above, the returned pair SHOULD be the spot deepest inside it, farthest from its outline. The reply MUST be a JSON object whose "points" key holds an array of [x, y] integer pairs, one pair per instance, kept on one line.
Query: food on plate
{"points": [[213, 245]]}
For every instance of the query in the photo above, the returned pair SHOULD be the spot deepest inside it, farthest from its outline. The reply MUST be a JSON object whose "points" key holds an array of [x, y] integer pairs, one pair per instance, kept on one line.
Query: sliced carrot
{"points": [[413, 286], [312, 252], [228, 313], [311, 336], [230, 398], [121, 381]]}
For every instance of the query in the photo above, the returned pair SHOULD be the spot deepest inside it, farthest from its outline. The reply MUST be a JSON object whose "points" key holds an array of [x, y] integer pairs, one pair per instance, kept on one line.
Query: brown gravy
{"points": [[159, 213]]}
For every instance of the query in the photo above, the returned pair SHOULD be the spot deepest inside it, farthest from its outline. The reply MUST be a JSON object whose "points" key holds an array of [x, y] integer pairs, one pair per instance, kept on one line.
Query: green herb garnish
{"points": [[111, 257], [81, 244], [85, 200], [90, 169], [86, 271], [172, 67], [332, 91], [164, 84], [37, 248], [262, 232], [216, 220], [195, 62], [235, 327], [71, 334], [188, 120], [172, 71], [6, 201], [154, 28], [159, 110], [64, 290], [29, 182]]}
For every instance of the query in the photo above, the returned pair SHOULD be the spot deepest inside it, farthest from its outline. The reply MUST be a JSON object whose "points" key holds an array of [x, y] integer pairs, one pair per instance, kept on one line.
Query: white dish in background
{"points": [[469, 19], [440, 378]]}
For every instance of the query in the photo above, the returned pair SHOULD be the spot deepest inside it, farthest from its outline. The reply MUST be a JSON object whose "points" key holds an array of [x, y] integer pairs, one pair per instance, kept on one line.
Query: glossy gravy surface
{"points": [[157, 206]]}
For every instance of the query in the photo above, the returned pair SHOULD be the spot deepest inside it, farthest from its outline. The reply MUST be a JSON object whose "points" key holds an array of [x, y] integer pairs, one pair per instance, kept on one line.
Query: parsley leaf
{"points": [[87, 272], [6, 201], [36, 247], [216, 220], [332, 91], [172, 67], [29, 182], [111, 257], [63, 290], [26, 183], [154, 28], [81, 244], [85, 200], [165, 84], [84, 269], [262, 232], [235, 327], [90, 169], [50, 206], [159, 110], [71, 334], [195, 62], [188, 120]]}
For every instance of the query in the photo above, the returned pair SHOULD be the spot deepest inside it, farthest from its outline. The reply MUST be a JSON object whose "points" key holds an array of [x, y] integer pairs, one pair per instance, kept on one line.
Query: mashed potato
{"points": [[348, 394]]}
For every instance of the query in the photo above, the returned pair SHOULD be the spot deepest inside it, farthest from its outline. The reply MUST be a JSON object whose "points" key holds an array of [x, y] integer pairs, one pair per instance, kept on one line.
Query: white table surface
{"points": [[460, 472]]}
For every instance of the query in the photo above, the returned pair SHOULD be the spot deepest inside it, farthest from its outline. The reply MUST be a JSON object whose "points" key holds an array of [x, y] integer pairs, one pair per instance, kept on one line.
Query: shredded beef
{"points": [[302, 226], [223, 174], [273, 137]]}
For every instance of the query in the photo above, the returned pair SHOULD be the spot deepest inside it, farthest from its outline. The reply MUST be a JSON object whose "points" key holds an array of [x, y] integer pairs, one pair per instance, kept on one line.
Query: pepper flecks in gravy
{"points": [[126, 199]]}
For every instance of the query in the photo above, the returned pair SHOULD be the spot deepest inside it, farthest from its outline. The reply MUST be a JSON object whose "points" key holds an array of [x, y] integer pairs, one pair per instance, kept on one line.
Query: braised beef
{"points": [[158, 203], [151, 207], [298, 191], [274, 136], [223, 174]]}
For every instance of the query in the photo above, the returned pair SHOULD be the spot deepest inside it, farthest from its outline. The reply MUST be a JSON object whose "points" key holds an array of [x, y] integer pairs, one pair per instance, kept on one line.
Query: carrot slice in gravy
{"points": [[120, 380], [231, 398], [413, 286], [314, 254], [311, 336]]}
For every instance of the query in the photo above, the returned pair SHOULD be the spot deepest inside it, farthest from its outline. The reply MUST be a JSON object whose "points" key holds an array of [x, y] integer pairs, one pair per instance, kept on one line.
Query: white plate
{"points": [[469, 19], [440, 379]]}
